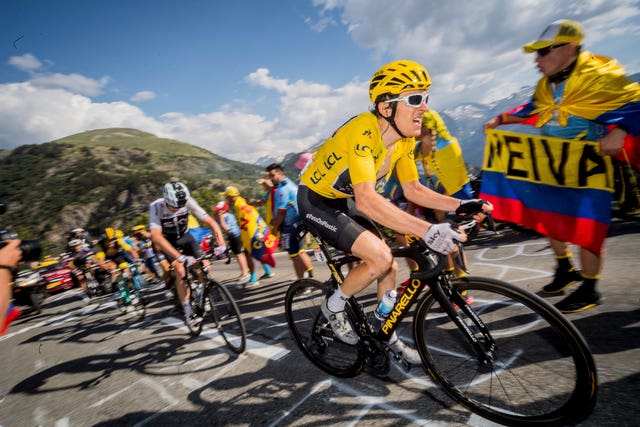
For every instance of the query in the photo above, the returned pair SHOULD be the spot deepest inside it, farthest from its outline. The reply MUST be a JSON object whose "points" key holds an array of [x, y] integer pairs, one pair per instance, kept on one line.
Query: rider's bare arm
{"points": [[213, 225], [386, 213], [423, 196]]}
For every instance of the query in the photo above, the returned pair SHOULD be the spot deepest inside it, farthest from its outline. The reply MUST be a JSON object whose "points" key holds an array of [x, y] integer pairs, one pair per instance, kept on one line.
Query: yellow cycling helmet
{"points": [[110, 233], [397, 77], [139, 228]]}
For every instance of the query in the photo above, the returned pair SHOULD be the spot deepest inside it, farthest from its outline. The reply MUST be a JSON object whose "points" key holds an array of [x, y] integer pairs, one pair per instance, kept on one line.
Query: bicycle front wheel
{"points": [[541, 371], [313, 334], [225, 315]]}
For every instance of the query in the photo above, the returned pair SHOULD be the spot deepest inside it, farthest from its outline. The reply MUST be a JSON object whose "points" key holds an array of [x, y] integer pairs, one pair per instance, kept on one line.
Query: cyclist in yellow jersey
{"points": [[355, 163]]}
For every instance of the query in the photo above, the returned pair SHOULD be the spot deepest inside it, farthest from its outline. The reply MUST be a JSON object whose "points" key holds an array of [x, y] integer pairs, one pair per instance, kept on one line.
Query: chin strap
{"points": [[392, 121]]}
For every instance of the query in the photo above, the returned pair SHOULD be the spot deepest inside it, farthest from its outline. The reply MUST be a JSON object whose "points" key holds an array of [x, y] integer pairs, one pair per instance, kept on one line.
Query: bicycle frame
{"points": [[430, 267]]}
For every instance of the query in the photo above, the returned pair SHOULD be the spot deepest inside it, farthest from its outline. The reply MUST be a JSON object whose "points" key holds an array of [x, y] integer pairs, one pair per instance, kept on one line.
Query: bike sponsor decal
{"points": [[400, 306]]}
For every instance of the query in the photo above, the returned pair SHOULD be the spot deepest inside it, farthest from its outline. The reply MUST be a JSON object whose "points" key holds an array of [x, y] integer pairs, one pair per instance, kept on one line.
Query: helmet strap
{"points": [[392, 119]]}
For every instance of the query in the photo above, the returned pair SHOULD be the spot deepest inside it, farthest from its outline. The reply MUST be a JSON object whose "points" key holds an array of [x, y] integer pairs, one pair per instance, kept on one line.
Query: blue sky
{"points": [[254, 78]]}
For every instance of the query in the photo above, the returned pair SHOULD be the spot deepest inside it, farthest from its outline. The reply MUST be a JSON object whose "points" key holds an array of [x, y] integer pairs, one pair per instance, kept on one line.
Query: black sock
{"points": [[589, 284], [564, 263]]}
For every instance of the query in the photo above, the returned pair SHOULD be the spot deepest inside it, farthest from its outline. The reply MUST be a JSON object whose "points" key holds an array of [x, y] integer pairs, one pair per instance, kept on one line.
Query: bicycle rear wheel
{"points": [[313, 334], [225, 315], [542, 372]]}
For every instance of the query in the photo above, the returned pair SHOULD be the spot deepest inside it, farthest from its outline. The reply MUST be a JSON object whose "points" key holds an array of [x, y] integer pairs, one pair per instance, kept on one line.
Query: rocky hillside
{"points": [[106, 178]]}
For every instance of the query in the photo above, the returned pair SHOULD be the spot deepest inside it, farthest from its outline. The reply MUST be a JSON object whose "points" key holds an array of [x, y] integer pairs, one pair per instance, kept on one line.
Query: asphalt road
{"points": [[84, 365]]}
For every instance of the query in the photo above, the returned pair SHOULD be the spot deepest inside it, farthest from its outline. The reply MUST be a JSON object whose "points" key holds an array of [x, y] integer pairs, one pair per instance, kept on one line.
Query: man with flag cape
{"points": [[584, 104]]}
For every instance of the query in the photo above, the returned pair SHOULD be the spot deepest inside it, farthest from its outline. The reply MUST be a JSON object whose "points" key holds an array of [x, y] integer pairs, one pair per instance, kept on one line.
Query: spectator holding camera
{"points": [[10, 255]]}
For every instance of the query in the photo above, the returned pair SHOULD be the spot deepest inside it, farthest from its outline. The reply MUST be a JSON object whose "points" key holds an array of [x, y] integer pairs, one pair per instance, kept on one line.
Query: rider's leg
{"points": [[376, 262], [182, 290]]}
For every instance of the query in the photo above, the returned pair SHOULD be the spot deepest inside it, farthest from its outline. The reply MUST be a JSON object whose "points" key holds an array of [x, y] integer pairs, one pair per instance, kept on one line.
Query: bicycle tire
{"points": [[313, 334], [542, 372], [226, 317]]}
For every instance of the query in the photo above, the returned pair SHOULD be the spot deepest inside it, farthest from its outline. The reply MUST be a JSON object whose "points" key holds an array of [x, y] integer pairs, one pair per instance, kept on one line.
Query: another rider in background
{"points": [[581, 96], [355, 163], [146, 251], [168, 220], [83, 258], [114, 250]]}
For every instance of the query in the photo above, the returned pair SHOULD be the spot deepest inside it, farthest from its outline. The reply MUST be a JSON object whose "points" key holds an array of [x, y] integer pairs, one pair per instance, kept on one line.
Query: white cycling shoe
{"points": [[340, 325], [409, 354]]}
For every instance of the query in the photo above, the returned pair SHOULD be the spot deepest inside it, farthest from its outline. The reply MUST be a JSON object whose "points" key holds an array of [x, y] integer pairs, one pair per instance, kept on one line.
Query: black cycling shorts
{"points": [[335, 220], [187, 245]]}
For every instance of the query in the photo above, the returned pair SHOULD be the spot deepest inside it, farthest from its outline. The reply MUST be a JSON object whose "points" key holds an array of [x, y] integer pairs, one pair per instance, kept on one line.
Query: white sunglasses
{"points": [[414, 100]]}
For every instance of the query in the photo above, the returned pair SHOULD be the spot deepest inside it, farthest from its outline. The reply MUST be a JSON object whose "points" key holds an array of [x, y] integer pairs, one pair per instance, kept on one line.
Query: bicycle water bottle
{"points": [[197, 293], [386, 304]]}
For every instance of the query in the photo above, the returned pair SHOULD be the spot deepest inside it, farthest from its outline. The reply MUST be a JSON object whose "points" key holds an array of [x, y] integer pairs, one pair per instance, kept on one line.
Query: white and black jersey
{"points": [[173, 223]]}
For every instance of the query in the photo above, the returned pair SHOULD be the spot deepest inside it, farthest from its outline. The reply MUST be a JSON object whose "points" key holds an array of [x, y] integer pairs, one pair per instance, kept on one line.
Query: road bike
{"points": [[98, 281], [129, 289], [508, 356], [211, 300]]}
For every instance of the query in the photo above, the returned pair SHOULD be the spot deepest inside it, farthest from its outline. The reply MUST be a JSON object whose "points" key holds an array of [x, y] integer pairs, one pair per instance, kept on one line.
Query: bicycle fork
{"points": [[481, 341]]}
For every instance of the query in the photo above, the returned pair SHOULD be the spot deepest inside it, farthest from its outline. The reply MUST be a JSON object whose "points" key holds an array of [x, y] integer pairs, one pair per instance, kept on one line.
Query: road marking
{"points": [[319, 387], [265, 350]]}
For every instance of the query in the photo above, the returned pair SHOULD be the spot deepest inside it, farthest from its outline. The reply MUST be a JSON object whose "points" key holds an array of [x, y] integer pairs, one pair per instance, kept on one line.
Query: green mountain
{"points": [[107, 178]]}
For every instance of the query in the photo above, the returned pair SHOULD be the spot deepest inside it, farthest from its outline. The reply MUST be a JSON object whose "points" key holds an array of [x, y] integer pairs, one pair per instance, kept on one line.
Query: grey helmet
{"points": [[175, 194]]}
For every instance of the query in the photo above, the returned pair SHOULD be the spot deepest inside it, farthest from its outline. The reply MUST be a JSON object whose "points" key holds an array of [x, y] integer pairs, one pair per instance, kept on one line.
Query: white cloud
{"points": [[75, 83], [145, 95], [50, 107], [473, 51], [26, 62]]}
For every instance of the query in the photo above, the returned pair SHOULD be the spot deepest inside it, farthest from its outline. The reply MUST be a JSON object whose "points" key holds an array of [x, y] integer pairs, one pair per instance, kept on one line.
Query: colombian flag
{"points": [[254, 233], [560, 188], [12, 313]]}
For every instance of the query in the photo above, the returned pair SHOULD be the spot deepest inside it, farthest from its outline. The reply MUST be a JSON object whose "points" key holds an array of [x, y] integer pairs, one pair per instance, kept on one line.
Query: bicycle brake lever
{"points": [[491, 224], [459, 259]]}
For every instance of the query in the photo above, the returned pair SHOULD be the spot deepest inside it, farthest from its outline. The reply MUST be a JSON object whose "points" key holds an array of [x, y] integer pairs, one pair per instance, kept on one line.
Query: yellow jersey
{"points": [[354, 154]]}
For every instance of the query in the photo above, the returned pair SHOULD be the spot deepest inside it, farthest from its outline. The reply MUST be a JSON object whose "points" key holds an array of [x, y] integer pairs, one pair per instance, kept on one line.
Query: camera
{"points": [[30, 248]]}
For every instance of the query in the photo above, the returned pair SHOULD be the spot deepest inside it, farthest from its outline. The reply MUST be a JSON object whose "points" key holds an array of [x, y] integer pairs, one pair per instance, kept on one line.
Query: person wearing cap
{"points": [[230, 227], [580, 96], [285, 219], [267, 198], [351, 168], [256, 236]]}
